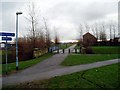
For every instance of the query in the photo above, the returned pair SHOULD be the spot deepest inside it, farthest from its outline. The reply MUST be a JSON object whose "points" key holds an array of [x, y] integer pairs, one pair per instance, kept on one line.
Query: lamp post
{"points": [[17, 13]]}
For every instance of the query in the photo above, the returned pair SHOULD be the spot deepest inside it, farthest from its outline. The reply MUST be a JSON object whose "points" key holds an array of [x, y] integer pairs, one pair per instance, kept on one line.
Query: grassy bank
{"points": [[103, 77], [87, 58], [24, 64], [106, 49]]}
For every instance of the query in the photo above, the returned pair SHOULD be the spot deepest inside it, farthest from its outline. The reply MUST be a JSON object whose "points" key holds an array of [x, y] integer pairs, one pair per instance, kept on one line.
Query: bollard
{"points": [[51, 50], [80, 49], [69, 50], [57, 50], [63, 50], [48, 50], [75, 50]]}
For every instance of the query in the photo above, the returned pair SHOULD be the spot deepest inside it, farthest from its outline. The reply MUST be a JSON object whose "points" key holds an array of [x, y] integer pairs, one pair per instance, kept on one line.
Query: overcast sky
{"points": [[64, 15]]}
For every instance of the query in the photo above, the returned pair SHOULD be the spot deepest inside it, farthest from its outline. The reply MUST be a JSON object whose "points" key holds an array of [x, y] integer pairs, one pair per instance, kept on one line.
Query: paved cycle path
{"points": [[15, 79], [50, 68], [46, 65]]}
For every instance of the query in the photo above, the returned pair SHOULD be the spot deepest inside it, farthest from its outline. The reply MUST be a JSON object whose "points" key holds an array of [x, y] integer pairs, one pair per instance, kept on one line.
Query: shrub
{"points": [[89, 50]]}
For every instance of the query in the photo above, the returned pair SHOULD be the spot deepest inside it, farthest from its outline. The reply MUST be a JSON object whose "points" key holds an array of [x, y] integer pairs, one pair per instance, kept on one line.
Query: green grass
{"points": [[24, 64], [87, 58], [103, 77], [106, 49], [0, 52], [0, 69]]}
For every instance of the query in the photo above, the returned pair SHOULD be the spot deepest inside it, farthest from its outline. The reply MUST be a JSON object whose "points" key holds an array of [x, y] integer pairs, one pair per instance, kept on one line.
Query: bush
{"points": [[11, 53], [89, 50]]}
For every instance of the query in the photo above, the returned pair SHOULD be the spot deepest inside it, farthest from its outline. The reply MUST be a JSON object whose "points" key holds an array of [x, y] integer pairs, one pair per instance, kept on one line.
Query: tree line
{"points": [[38, 36], [101, 30]]}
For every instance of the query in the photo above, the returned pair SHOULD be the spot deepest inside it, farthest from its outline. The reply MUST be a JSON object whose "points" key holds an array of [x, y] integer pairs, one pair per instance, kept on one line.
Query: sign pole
{"points": [[16, 42], [17, 13], [5, 38], [6, 55]]}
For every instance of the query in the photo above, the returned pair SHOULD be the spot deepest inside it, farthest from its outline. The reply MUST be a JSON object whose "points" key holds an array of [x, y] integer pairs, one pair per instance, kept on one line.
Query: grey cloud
{"points": [[62, 14], [99, 10], [0, 16], [11, 6], [77, 11], [8, 15]]}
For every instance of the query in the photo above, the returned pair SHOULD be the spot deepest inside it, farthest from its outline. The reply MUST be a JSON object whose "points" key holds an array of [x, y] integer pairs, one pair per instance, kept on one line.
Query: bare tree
{"points": [[115, 29], [87, 27], [32, 18], [80, 31], [40, 40], [56, 39], [102, 33], [110, 31], [95, 30], [47, 33], [102, 36], [25, 52], [111, 28]]}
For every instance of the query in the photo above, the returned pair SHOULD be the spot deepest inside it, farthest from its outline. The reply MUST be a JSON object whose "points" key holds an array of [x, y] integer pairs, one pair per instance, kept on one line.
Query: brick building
{"points": [[89, 39]]}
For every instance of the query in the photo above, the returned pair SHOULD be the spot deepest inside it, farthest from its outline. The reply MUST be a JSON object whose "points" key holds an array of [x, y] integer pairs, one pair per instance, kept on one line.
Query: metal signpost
{"points": [[6, 38], [7, 34], [17, 13]]}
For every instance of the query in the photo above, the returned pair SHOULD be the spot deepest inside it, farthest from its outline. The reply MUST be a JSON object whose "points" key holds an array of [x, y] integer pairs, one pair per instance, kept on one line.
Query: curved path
{"points": [[50, 68]]}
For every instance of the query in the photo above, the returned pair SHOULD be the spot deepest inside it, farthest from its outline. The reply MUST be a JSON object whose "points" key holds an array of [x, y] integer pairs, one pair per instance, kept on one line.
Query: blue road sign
{"points": [[7, 38], [7, 34]]}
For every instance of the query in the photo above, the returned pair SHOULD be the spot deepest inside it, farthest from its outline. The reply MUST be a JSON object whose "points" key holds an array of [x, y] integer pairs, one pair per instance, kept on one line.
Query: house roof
{"points": [[89, 34]]}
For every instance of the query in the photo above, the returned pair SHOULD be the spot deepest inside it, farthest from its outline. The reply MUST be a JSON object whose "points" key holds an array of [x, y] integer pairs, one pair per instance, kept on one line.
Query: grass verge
{"points": [[103, 77], [106, 49], [87, 58], [11, 67]]}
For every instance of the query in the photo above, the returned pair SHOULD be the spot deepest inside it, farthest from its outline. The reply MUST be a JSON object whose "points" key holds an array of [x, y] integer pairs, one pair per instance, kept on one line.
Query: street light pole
{"points": [[6, 56], [17, 13]]}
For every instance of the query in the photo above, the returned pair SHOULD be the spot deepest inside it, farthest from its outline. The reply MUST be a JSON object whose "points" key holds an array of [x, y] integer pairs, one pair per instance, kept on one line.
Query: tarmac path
{"points": [[50, 68]]}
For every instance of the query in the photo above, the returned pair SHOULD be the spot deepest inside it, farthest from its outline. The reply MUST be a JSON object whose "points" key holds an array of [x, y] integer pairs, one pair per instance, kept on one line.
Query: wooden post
{"points": [[75, 50], [69, 50], [57, 50], [63, 51]]}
